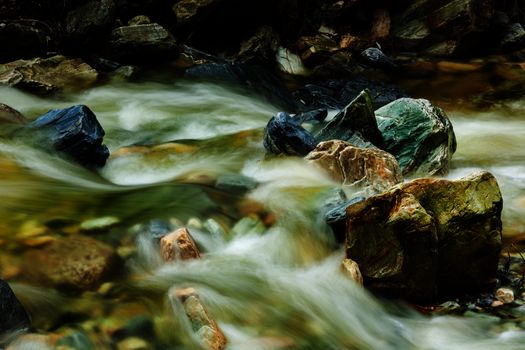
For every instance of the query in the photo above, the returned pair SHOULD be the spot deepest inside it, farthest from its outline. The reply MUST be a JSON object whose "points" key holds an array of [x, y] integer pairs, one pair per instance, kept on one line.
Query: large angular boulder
{"points": [[355, 123], [74, 131], [418, 134], [428, 238], [72, 263], [14, 317], [369, 168], [284, 135], [48, 75]]}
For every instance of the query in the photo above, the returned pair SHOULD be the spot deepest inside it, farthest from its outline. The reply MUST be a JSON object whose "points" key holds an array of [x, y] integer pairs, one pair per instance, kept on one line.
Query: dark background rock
{"points": [[74, 131], [283, 135], [25, 38], [13, 315], [10, 115]]}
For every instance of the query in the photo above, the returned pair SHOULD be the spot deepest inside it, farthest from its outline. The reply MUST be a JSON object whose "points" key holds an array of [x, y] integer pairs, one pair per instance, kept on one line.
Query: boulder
{"points": [[284, 135], [187, 10], [71, 263], [315, 50], [428, 238], [514, 38], [178, 245], [418, 134], [14, 317], [261, 48], [24, 38], [356, 122], [10, 115], [374, 57], [141, 43], [74, 131], [47, 75], [369, 168]]}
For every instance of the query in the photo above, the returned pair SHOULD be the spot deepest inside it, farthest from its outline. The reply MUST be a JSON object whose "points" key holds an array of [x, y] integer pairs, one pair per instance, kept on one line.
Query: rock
{"points": [[201, 322], [351, 269], [71, 263], [514, 38], [497, 303], [335, 217], [235, 183], [86, 23], [342, 64], [316, 50], [337, 93], [381, 25], [133, 343], [315, 116], [357, 118], [47, 75], [138, 20], [141, 43], [156, 228], [369, 168], [428, 238], [283, 135], [186, 10], [505, 295], [74, 131], [261, 48], [254, 78], [418, 134], [24, 38], [374, 57], [14, 317], [178, 245], [10, 115]]}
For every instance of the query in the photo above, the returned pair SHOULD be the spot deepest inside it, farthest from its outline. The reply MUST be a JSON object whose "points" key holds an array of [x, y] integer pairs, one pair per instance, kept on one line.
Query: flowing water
{"points": [[270, 270]]}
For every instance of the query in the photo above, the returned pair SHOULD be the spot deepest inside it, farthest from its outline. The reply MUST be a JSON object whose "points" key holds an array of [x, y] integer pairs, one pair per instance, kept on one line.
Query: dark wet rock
{"points": [[418, 134], [235, 183], [283, 135], [514, 38], [335, 217], [261, 48], [86, 23], [314, 117], [74, 131], [139, 326], [374, 57], [76, 340], [315, 50], [138, 20], [24, 38], [370, 169], [337, 93], [10, 115], [428, 238], [71, 263], [356, 119], [341, 64], [187, 10], [47, 75], [157, 228], [14, 317], [141, 43], [254, 78]]}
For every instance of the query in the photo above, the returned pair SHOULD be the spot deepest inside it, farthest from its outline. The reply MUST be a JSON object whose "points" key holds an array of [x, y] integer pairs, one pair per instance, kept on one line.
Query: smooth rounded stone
{"points": [[87, 22], [142, 42], [418, 134], [75, 262], [376, 58], [179, 245], [283, 135], [505, 295], [356, 122], [47, 75], [24, 38], [134, 343], [73, 131], [428, 238], [351, 270], [14, 317], [369, 168], [235, 183], [100, 223], [10, 115]]}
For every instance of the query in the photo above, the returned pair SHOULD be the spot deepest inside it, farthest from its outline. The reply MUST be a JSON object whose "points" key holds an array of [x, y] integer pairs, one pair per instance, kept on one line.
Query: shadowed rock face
{"points": [[428, 238], [283, 135], [74, 131], [13, 316]]}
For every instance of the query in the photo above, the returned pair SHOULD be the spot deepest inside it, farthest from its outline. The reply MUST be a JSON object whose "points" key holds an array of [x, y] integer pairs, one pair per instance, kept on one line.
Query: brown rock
{"points": [[46, 75], [505, 295], [381, 24], [10, 115], [178, 245], [185, 10], [351, 269], [261, 48], [316, 49], [365, 167], [428, 237], [74, 262]]}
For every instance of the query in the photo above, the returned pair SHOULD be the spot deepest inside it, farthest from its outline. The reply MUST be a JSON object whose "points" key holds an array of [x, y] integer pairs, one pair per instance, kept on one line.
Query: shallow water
{"points": [[269, 286]]}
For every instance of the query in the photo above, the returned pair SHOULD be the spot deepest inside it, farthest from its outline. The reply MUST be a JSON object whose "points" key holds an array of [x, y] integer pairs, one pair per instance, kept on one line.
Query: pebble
{"points": [[505, 295]]}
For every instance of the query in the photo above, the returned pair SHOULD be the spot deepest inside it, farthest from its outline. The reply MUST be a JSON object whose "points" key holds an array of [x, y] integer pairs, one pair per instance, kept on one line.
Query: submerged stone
{"points": [[74, 131], [418, 134], [283, 135], [13, 317], [428, 238]]}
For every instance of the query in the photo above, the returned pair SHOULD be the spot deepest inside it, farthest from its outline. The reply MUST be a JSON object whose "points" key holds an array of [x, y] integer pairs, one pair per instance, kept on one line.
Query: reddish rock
{"points": [[381, 24], [178, 245]]}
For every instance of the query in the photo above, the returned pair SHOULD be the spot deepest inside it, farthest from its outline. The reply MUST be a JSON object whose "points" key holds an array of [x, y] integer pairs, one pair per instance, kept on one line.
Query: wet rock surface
{"points": [[283, 135], [429, 237], [178, 245], [74, 131], [418, 134], [14, 317], [10, 115]]}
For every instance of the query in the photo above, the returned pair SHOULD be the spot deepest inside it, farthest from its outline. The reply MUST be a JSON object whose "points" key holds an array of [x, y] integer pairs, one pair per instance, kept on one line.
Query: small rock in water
{"points": [[351, 269], [178, 245], [376, 58], [13, 315], [74, 131], [10, 115], [505, 295], [283, 135], [235, 183], [99, 223]]}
